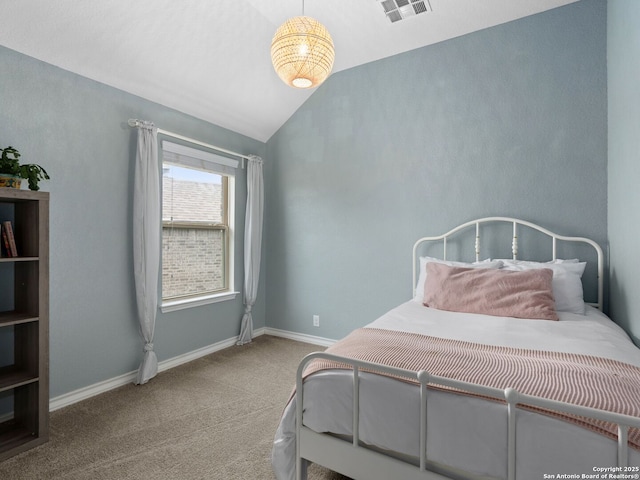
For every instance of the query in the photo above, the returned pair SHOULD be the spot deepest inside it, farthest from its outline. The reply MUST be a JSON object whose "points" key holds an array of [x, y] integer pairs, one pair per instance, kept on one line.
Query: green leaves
{"points": [[10, 165], [33, 173], [9, 161]]}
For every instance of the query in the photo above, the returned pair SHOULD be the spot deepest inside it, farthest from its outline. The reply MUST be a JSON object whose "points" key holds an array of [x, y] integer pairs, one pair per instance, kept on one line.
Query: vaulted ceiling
{"points": [[210, 58]]}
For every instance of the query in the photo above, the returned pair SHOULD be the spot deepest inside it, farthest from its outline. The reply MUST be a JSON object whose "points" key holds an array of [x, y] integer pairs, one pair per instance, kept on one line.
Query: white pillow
{"points": [[422, 277], [566, 283], [529, 262]]}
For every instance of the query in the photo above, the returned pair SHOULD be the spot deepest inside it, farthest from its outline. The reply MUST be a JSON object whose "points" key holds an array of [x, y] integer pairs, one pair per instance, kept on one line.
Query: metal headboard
{"points": [[514, 245]]}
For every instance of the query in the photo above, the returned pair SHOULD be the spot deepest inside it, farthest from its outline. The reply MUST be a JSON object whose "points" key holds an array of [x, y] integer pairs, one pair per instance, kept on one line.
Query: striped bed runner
{"points": [[572, 378]]}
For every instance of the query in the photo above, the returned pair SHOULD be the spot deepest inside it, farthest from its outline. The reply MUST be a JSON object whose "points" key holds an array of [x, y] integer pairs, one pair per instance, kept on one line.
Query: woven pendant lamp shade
{"points": [[302, 52]]}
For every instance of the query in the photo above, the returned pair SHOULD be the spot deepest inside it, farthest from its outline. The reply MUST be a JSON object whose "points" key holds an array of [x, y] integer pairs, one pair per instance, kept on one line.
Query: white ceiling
{"points": [[210, 58]]}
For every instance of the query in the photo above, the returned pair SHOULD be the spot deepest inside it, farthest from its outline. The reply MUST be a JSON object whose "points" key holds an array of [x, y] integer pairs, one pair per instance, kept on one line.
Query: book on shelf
{"points": [[8, 230], [5, 244]]}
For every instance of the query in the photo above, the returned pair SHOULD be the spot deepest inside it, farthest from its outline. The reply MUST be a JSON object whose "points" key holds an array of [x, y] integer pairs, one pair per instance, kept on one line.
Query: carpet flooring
{"points": [[213, 418]]}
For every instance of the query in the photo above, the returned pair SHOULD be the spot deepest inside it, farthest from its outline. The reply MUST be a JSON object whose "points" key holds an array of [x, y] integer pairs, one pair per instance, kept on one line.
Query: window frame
{"points": [[208, 164]]}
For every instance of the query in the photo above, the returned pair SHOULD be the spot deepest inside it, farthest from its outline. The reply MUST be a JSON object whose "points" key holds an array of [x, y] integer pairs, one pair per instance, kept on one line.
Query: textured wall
{"points": [[77, 129], [510, 120], [624, 158], [506, 121]]}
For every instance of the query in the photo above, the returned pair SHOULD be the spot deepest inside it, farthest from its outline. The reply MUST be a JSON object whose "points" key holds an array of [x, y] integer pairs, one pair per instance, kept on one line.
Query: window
{"points": [[197, 227]]}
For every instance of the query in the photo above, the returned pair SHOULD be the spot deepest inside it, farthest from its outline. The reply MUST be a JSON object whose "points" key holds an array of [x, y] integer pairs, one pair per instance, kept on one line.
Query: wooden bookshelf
{"points": [[24, 324]]}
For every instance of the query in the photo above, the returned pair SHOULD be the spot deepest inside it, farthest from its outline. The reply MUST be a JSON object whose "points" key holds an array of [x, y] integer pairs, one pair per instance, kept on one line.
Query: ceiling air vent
{"points": [[398, 9]]}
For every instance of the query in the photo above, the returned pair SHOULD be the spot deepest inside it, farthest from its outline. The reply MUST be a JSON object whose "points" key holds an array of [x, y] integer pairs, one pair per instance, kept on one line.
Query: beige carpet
{"points": [[213, 418]]}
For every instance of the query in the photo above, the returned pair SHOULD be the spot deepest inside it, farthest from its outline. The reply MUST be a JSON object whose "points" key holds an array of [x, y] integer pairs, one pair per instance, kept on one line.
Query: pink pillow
{"points": [[504, 293]]}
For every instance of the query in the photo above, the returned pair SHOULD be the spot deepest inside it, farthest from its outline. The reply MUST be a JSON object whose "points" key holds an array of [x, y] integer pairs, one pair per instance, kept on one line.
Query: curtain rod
{"points": [[134, 122]]}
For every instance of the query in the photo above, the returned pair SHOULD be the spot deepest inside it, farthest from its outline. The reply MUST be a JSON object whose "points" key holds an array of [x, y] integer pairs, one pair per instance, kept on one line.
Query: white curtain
{"points": [[252, 244], [146, 242]]}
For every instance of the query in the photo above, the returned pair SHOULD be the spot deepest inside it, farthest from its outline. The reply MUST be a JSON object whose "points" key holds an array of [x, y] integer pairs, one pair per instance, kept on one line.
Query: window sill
{"points": [[174, 305]]}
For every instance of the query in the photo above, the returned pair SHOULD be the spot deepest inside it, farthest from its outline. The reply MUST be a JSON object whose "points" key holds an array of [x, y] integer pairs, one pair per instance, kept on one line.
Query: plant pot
{"points": [[9, 181]]}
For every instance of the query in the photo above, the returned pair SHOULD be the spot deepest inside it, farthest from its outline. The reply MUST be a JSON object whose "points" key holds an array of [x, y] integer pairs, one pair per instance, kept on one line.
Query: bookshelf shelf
{"points": [[16, 378], [14, 437], [18, 259], [24, 323], [16, 318]]}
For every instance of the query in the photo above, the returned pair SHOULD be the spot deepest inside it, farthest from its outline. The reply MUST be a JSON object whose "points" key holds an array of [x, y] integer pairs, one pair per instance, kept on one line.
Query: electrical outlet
{"points": [[316, 320]]}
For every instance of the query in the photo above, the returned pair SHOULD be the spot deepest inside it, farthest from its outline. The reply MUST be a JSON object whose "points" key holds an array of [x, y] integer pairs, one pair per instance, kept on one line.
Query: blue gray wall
{"points": [[76, 129], [509, 121], [623, 67]]}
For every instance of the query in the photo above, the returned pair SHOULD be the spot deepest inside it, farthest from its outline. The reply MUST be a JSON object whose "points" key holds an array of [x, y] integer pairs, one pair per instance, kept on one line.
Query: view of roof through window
{"points": [[190, 195]]}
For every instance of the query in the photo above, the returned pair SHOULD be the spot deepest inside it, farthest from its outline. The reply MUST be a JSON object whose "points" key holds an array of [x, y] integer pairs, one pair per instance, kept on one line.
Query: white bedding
{"points": [[464, 432]]}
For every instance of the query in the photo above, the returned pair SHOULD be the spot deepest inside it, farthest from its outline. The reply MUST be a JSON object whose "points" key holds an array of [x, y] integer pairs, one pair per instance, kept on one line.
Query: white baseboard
{"points": [[75, 396], [300, 337]]}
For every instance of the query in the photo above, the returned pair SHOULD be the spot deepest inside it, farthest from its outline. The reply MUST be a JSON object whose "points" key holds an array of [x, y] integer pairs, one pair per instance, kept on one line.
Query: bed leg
{"points": [[301, 471]]}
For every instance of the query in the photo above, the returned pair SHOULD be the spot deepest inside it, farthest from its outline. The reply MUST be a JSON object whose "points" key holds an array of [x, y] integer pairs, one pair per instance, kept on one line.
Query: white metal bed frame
{"points": [[357, 461], [514, 245]]}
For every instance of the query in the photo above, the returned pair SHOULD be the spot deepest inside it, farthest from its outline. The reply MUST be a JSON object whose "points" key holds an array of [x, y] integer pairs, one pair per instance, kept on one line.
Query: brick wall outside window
{"points": [[193, 261], [192, 258]]}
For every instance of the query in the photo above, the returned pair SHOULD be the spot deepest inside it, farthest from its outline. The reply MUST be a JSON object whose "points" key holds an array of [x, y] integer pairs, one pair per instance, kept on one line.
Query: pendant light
{"points": [[302, 52]]}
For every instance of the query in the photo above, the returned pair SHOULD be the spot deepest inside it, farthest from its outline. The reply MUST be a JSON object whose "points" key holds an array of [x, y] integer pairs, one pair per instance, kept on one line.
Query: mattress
{"points": [[464, 432]]}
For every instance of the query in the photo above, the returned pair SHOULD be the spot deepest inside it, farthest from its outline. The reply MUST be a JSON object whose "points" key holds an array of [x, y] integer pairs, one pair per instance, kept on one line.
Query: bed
{"points": [[475, 389]]}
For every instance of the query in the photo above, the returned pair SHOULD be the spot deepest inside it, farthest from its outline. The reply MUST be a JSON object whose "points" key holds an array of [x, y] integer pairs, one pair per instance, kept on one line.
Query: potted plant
{"points": [[12, 173]]}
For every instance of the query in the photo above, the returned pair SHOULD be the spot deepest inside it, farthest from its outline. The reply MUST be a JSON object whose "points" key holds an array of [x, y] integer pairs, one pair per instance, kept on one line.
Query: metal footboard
{"points": [[354, 460]]}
